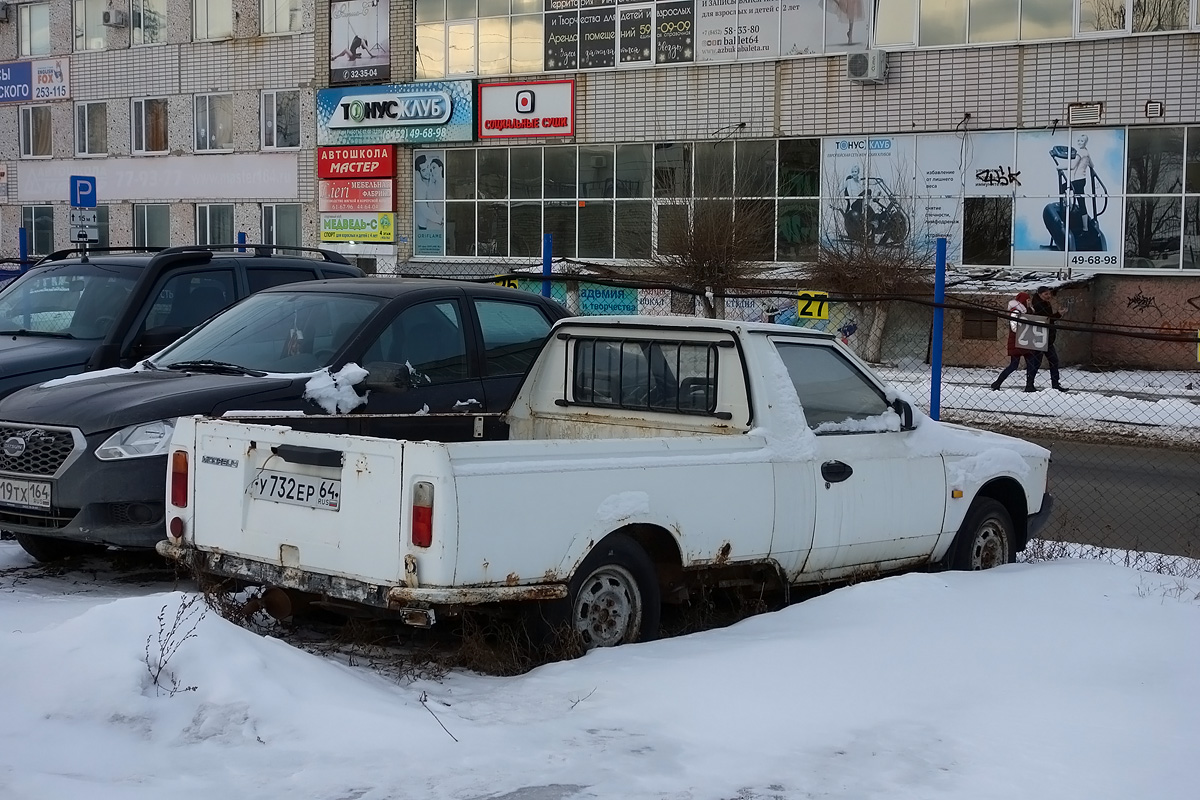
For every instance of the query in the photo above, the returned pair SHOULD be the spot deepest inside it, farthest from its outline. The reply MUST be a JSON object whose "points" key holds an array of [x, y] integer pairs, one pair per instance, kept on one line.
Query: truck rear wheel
{"points": [[987, 537], [614, 596], [47, 548]]}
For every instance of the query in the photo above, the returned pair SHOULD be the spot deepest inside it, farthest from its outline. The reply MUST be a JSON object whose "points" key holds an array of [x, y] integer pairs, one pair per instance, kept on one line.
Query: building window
{"points": [[150, 126], [280, 16], [979, 325], [91, 129], [987, 231], [1154, 205], [38, 222], [281, 120], [34, 29], [89, 24], [151, 225], [149, 21], [212, 19], [214, 224], [214, 123], [281, 224], [35, 132], [102, 227]]}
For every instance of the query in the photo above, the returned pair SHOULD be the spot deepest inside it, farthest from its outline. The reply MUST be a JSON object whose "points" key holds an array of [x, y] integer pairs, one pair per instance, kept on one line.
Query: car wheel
{"points": [[987, 537], [46, 548], [614, 596]]}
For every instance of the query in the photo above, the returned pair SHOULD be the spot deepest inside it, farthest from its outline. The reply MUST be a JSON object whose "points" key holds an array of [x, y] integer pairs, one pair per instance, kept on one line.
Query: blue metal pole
{"points": [[547, 250], [241, 240], [23, 247], [939, 299]]}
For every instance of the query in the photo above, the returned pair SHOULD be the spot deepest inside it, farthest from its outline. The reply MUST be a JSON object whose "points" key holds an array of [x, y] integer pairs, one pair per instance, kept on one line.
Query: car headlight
{"points": [[138, 441]]}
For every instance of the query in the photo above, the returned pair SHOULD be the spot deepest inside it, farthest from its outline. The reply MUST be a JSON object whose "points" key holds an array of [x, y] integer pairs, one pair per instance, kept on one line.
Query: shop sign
{"points": [[431, 112], [358, 228], [27, 81], [365, 195], [541, 108], [356, 162]]}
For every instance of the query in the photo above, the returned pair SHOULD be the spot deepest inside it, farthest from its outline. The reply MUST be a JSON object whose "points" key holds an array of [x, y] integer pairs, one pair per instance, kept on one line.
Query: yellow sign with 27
{"points": [[812, 305]]}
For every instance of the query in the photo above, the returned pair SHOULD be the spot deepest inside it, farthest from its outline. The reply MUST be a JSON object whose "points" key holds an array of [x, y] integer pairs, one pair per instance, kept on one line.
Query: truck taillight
{"points": [[422, 514], [179, 479]]}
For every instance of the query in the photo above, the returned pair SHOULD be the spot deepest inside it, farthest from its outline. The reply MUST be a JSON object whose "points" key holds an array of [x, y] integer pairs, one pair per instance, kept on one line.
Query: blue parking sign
{"points": [[83, 191]]}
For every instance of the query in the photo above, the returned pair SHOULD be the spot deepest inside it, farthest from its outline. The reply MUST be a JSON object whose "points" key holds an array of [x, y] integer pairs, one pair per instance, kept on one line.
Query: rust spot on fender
{"points": [[550, 576], [723, 554]]}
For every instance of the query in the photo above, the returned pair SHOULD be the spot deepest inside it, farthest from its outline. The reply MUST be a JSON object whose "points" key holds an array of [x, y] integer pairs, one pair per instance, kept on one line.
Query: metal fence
{"points": [[1124, 430]]}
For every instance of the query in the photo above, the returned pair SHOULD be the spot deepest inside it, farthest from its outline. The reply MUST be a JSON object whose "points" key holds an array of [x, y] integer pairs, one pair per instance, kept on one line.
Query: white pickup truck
{"points": [[641, 457]]}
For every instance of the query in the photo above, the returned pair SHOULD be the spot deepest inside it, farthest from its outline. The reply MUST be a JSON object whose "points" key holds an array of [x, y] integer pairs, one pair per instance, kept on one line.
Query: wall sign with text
{"points": [[359, 42], [350, 227], [371, 194], [31, 81], [536, 108], [375, 161], [435, 111]]}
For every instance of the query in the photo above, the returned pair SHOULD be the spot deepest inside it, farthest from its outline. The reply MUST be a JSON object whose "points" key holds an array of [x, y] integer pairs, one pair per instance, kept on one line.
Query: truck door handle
{"points": [[313, 456], [836, 471]]}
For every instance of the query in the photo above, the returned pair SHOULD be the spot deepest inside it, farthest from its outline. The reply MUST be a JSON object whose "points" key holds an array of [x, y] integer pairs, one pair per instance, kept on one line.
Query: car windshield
{"points": [[80, 301], [274, 332]]}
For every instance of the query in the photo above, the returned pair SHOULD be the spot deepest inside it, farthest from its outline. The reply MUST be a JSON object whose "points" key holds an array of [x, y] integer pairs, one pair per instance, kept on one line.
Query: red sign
{"points": [[368, 195], [364, 161]]}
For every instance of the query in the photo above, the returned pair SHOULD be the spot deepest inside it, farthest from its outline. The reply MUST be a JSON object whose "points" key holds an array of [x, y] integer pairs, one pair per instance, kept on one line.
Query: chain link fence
{"points": [[1124, 428]]}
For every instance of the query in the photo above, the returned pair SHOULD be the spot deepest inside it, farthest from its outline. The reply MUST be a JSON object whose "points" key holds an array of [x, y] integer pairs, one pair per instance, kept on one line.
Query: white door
{"points": [[877, 497]]}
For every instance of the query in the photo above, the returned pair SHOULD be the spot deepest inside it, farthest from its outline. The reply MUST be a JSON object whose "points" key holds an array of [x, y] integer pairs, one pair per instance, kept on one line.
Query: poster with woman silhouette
{"points": [[359, 44], [1067, 211], [429, 208]]}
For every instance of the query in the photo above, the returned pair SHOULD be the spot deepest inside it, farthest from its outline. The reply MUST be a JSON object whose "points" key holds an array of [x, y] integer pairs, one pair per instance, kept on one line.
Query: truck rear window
{"points": [[654, 375]]}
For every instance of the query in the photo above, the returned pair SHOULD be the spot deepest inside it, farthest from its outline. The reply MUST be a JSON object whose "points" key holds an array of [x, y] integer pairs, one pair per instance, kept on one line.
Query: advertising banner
{"points": [[596, 299], [357, 195], [868, 189], [429, 208], [378, 228], [27, 81], [377, 161], [359, 42], [540, 108], [675, 32], [436, 111]]}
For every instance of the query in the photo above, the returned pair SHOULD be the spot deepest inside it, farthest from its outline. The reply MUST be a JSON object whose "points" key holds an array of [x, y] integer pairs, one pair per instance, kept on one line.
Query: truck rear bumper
{"points": [[336, 587]]}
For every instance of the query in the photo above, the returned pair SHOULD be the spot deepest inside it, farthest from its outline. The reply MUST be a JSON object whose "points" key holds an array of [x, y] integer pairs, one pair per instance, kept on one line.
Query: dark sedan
{"points": [[83, 459]]}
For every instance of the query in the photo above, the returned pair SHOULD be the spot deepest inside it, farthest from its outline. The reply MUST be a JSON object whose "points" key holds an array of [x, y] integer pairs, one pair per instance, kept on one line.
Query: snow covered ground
{"points": [[1065, 679]]}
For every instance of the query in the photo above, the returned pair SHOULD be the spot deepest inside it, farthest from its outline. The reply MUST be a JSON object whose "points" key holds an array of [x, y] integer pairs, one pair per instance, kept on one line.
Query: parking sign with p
{"points": [[83, 191]]}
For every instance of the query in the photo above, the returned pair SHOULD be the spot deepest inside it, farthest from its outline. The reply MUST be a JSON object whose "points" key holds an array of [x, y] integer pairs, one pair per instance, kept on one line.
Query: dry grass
{"points": [[1049, 550]]}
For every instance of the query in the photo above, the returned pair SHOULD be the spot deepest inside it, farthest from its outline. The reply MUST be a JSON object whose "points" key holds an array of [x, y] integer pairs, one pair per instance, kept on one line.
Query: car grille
{"points": [[45, 449], [50, 519]]}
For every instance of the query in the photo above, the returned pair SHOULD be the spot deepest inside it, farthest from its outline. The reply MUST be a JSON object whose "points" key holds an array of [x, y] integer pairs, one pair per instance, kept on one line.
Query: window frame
{"points": [[272, 210], [273, 94], [575, 394], [25, 13], [32, 229], [82, 28], [26, 119], [137, 120], [298, 13], [206, 209], [207, 100], [137, 27], [141, 218], [82, 117], [205, 36]]}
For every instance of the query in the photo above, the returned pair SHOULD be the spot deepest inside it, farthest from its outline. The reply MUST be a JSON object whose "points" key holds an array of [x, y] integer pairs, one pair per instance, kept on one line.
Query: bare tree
{"points": [[875, 246], [716, 224], [1148, 15]]}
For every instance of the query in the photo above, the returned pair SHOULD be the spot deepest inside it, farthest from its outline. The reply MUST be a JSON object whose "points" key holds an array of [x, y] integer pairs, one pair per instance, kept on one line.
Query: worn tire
{"points": [[614, 597], [47, 548], [986, 539]]}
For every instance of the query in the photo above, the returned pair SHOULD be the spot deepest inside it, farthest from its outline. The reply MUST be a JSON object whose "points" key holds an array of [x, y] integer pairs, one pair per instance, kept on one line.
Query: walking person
{"points": [[1043, 306], [1016, 307]]}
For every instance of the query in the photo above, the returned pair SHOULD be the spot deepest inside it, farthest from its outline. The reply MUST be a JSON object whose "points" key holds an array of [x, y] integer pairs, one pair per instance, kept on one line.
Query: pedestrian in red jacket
{"points": [[1016, 307]]}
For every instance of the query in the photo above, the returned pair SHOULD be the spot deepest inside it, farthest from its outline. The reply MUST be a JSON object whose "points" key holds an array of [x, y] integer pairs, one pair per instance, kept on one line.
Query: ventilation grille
{"points": [[1084, 113]]}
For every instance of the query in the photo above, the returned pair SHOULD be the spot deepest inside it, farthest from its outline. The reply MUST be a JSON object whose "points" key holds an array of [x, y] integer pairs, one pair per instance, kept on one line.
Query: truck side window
{"points": [[834, 395], [187, 299], [258, 278], [428, 338], [512, 334], [667, 376]]}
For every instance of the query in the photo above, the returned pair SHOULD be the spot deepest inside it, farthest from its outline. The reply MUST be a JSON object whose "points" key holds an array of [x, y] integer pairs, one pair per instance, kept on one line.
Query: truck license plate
{"points": [[26, 494], [298, 490]]}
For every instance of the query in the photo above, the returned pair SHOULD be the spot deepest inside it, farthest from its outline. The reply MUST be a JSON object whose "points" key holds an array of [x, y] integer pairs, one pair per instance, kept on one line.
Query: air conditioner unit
{"points": [[599, 162], [867, 66], [114, 19]]}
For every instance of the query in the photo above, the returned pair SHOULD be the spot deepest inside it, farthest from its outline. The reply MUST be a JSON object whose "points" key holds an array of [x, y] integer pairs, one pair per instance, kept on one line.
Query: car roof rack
{"points": [[259, 250], [84, 252]]}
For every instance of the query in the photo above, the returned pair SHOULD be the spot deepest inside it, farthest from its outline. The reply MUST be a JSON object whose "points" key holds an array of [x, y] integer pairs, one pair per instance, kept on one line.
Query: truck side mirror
{"points": [[905, 412]]}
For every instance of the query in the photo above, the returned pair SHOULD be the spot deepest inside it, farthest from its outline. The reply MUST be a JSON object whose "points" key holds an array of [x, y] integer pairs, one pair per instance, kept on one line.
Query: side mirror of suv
{"points": [[905, 412]]}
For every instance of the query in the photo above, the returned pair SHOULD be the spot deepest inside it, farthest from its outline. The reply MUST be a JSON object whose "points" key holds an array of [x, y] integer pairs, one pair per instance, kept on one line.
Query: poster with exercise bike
{"points": [[359, 43], [1068, 210], [867, 186]]}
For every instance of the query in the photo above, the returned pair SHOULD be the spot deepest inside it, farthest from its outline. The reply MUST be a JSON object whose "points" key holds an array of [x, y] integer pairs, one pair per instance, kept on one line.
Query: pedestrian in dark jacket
{"points": [[1043, 306], [1017, 307]]}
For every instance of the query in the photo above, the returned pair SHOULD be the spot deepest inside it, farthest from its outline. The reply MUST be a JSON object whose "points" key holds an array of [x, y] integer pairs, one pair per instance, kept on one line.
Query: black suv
{"points": [[83, 460], [78, 310]]}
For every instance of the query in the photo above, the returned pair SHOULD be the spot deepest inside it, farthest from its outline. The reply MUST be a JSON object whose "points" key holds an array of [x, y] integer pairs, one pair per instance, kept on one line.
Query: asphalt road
{"points": [[1137, 498]]}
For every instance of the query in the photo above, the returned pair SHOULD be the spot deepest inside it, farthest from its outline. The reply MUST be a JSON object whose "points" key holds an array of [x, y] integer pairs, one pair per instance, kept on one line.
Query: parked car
{"points": [[646, 458], [82, 460], [81, 310]]}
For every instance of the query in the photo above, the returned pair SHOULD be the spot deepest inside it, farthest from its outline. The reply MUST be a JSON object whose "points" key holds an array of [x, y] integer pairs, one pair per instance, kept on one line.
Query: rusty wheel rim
{"points": [[990, 548], [608, 607]]}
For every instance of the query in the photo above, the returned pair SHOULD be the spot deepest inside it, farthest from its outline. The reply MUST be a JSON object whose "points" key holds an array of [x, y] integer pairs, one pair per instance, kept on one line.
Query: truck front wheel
{"points": [[614, 595], [987, 537]]}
